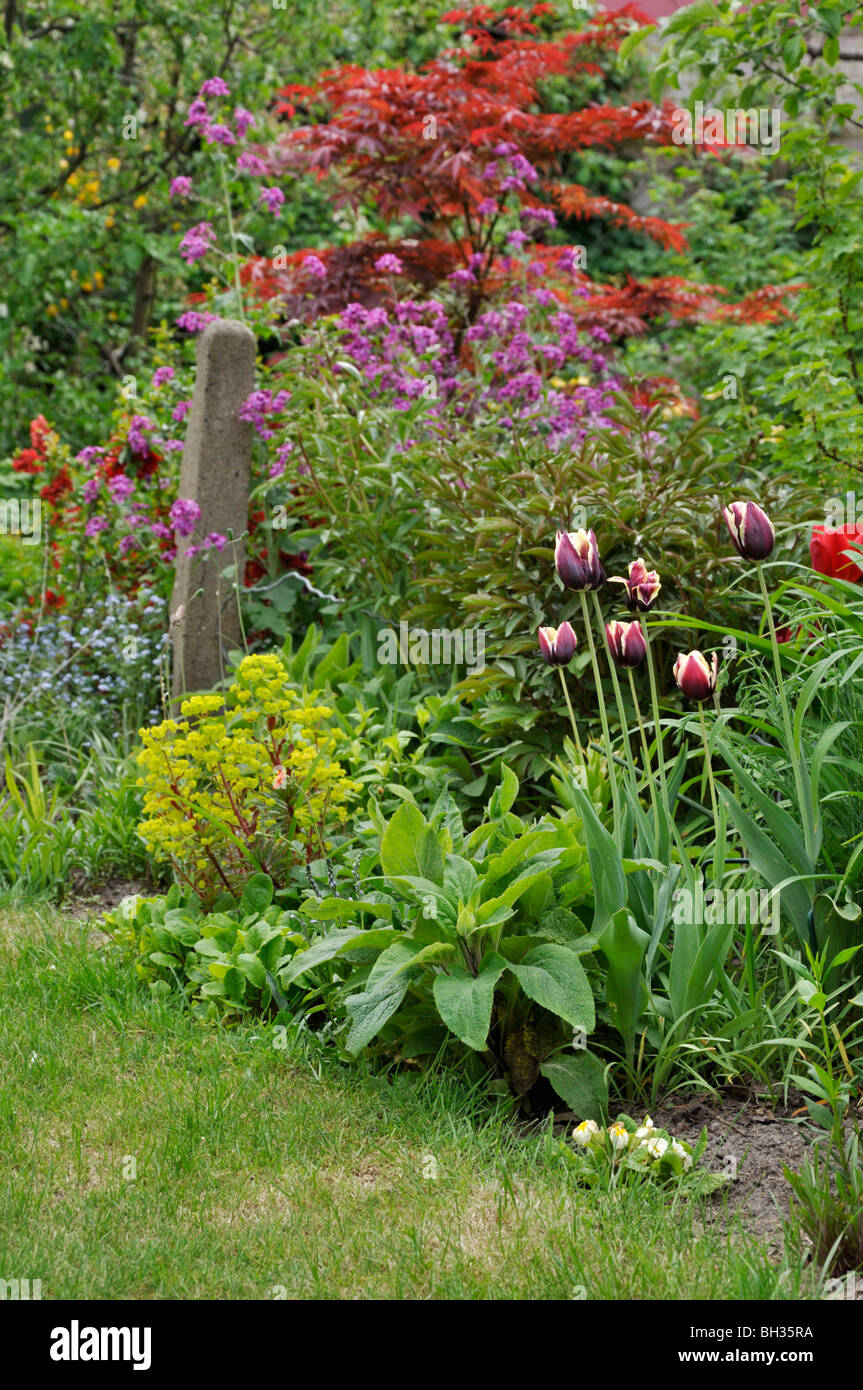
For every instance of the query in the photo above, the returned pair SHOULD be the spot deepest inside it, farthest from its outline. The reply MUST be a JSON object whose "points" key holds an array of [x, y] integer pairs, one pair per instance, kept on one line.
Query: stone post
{"points": [[215, 474]]}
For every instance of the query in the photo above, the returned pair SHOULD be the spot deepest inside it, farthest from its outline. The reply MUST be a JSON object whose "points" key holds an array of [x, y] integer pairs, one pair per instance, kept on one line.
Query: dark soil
{"points": [[749, 1138]]}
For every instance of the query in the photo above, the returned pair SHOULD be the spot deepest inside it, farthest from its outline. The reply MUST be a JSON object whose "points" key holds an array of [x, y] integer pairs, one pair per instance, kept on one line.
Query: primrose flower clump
{"points": [[643, 1147], [243, 782]]}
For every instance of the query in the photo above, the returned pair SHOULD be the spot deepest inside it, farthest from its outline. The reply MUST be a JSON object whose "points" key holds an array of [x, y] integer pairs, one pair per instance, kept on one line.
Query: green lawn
{"points": [[260, 1175]]}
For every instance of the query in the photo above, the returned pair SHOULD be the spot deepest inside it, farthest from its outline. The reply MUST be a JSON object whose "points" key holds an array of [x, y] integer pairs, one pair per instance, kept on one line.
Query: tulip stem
{"points": [[657, 730], [802, 798], [713, 802], [614, 680], [578, 742], [606, 732], [648, 767]]}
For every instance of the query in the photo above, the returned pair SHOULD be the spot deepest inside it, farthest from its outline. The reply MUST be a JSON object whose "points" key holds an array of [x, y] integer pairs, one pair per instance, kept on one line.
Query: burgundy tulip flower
{"points": [[642, 586], [751, 530], [626, 644], [696, 678], [576, 559], [557, 644]]}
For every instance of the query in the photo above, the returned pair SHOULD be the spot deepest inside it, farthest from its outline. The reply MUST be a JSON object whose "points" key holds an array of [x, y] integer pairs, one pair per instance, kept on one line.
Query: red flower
{"points": [[59, 487], [827, 548], [38, 430], [27, 462]]}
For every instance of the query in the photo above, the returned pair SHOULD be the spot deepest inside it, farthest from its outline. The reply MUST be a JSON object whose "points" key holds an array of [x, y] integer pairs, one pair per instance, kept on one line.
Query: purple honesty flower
{"points": [[193, 322], [197, 242], [214, 87], [315, 267], [487, 207], [91, 489], [181, 187], [181, 410], [127, 543], [172, 446], [251, 163], [272, 198], [89, 453], [136, 439], [160, 530], [95, 525], [198, 114], [538, 215], [219, 135], [517, 237], [243, 119], [161, 375], [185, 515], [461, 278], [261, 404], [388, 264], [121, 487], [215, 541]]}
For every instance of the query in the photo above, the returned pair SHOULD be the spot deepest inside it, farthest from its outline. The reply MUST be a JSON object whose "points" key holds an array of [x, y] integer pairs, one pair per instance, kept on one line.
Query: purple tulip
{"points": [[642, 586], [696, 678], [576, 559], [557, 644], [751, 530], [626, 644]]}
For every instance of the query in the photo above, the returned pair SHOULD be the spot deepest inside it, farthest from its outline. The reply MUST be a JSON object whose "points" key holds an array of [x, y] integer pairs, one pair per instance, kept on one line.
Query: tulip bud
{"points": [[642, 586], [626, 643], [695, 677], [751, 530], [576, 559], [557, 644]]}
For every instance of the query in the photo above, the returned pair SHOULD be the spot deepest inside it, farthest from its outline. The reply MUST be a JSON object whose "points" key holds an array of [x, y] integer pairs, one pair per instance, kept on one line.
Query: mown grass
{"points": [[261, 1174]]}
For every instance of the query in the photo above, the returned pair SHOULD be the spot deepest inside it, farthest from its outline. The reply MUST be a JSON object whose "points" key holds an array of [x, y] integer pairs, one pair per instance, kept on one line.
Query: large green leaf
{"points": [[606, 868], [770, 864], [554, 977], [370, 1010], [623, 944], [464, 1001], [579, 1079], [257, 894], [320, 951], [410, 847]]}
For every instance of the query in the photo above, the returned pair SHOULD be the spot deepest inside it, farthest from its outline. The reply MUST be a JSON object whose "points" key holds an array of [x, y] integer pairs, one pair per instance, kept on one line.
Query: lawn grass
{"points": [[262, 1174]]}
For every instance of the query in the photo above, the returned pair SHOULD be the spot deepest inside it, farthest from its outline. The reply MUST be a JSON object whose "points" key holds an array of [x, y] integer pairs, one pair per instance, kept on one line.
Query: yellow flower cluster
{"points": [[243, 781]]}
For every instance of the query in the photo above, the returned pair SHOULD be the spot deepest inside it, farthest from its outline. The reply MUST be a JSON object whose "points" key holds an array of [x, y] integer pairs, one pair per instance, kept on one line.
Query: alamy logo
{"points": [[21, 517], [732, 908], [442, 646], [20, 1288], [76, 1343], [758, 126]]}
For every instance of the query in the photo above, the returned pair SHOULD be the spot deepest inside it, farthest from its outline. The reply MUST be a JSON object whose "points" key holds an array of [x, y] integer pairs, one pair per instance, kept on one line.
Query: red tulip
{"points": [[626, 643], [557, 644], [695, 677], [576, 559], [642, 586], [750, 529], [827, 547]]}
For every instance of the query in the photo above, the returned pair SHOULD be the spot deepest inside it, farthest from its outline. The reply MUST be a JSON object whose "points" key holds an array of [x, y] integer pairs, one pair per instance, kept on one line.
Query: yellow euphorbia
{"points": [[210, 804]]}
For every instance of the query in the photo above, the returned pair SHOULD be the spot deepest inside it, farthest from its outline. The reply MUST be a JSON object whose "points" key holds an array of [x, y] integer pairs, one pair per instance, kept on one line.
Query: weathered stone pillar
{"points": [[215, 474]]}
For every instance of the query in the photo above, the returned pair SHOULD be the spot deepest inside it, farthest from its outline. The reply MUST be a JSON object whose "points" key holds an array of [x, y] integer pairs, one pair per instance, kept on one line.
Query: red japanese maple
{"points": [[455, 145]]}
